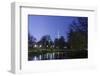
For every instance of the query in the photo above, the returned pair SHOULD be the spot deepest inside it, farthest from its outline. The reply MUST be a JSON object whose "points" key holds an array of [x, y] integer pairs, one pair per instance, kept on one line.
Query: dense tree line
{"points": [[46, 41]]}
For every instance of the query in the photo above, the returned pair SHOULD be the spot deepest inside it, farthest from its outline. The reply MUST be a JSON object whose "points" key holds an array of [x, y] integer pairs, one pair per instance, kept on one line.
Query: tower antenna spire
{"points": [[58, 35]]}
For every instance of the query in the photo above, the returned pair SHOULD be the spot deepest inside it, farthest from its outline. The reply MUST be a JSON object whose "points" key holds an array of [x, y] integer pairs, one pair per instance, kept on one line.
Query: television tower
{"points": [[58, 35]]}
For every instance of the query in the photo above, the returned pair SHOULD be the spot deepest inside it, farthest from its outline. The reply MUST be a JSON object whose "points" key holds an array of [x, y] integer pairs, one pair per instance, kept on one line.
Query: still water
{"points": [[58, 55], [49, 56]]}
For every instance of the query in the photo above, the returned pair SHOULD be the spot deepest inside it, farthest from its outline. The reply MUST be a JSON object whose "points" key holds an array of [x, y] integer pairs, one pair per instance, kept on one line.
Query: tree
{"points": [[77, 36], [59, 43], [31, 40], [80, 25], [56, 43], [46, 41]]}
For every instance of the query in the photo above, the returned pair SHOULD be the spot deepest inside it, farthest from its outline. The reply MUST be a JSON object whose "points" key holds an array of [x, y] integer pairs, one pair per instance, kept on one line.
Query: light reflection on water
{"points": [[48, 56], [57, 55]]}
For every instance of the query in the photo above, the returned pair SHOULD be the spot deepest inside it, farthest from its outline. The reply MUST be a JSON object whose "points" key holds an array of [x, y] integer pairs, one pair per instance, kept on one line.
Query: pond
{"points": [[49, 56], [58, 55]]}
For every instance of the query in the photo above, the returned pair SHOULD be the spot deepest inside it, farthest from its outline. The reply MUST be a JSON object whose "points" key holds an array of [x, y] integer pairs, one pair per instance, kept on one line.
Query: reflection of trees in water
{"points": [[68, 54]]}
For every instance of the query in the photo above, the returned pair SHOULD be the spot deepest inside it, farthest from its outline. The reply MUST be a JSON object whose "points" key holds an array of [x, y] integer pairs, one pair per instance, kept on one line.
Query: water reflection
{"points": [[48, 56], [57, 55]]}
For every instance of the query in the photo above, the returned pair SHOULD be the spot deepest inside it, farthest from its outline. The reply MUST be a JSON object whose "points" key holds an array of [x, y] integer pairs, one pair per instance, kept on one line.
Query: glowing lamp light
{"points": [[35, 45]]}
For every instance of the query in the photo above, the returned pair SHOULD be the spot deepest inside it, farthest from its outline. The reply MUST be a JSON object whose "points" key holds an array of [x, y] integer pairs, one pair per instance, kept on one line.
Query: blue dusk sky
{"points": [[40, 25]]}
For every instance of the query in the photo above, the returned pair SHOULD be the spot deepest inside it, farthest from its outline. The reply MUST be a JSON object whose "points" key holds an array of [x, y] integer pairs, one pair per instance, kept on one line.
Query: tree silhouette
{"points": [[77, 36], [59, 43], [31, 40], [46, 41], [56, 43]]}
